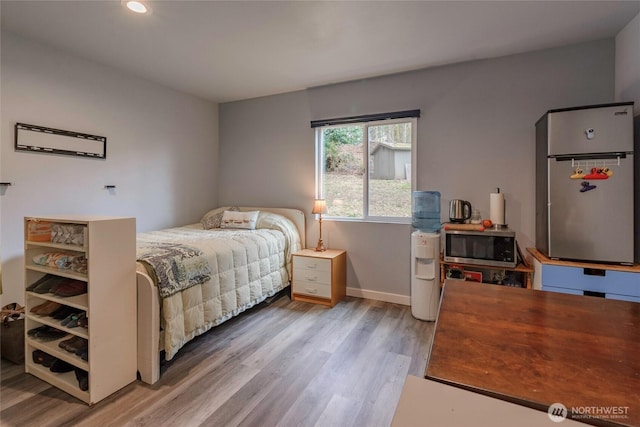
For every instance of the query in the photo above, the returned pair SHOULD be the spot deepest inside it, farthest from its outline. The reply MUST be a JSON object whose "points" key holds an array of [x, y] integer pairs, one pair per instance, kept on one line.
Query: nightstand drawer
{"points": [[312, 288], [309, 263], [312, 276]]}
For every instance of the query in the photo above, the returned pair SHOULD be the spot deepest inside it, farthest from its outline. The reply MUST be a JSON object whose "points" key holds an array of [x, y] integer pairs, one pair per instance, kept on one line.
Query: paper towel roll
{"points": [[496, 208]]}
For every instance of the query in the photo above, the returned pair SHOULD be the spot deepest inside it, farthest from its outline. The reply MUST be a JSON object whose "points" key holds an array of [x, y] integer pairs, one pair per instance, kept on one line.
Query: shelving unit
{"points": [[521, 275], [109, 304]]}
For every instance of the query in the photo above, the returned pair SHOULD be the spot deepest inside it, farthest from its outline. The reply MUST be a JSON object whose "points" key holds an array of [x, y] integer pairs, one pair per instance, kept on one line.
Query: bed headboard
{"points": [[295, 215]]}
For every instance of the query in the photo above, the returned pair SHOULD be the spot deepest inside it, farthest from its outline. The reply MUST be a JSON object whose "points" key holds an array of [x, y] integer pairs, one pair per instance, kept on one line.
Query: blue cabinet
{"points": [[578, 278]]}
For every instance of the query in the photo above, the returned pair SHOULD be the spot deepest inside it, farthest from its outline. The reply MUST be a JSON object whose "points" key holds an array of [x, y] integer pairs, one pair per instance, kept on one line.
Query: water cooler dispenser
{"points": [[425, 275], [425, 255]]}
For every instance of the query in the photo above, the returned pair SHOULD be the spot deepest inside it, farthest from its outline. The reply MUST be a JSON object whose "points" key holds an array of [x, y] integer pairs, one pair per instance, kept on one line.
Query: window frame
{"points": [[320, 163]]}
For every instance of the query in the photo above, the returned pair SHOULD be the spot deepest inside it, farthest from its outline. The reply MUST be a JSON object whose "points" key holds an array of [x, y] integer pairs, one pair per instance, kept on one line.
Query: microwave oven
{"points": [[495, 248]]}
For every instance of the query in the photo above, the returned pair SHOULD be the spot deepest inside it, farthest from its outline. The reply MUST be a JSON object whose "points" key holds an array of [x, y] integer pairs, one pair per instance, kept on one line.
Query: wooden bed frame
{"points": [[149, 334]]}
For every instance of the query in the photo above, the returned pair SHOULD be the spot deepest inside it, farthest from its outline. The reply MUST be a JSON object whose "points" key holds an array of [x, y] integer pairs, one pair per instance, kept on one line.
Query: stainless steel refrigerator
{"points": [[584, 183]]}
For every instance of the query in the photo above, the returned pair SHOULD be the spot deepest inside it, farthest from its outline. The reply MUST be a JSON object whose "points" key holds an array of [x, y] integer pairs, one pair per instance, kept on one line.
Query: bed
{"points": [[243, 268]]}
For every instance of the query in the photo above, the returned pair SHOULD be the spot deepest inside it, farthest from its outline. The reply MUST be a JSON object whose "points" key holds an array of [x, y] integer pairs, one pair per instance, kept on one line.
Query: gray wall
{"points": [[628, 89], [162, 148], [476, 133], [628, 63]]}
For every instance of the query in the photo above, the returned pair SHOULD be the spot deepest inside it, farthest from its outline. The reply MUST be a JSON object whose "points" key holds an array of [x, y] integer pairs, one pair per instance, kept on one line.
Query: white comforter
{"points": [[247, 266]]}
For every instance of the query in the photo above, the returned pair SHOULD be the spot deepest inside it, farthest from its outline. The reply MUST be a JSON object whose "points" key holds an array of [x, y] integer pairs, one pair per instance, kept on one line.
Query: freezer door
{"points": [[591, 130], [593, 225]]}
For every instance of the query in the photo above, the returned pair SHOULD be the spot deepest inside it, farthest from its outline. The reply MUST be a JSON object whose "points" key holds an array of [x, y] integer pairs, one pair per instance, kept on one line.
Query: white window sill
{"points": [[399, 221]]}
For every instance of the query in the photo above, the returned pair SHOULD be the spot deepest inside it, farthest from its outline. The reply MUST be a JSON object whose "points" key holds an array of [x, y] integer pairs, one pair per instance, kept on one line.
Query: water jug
{"points": [[425, 208]]}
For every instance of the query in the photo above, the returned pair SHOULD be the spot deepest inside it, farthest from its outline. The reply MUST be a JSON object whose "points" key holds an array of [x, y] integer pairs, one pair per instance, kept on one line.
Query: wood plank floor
{"points": [[283, 364]]}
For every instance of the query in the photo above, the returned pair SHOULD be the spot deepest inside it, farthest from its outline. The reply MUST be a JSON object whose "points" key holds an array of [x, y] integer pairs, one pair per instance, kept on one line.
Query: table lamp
{"points": [[320, 207]]}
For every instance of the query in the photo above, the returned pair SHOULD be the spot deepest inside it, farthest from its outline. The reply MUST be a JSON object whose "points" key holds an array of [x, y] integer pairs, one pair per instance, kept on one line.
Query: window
{"points": [[364, 169]]}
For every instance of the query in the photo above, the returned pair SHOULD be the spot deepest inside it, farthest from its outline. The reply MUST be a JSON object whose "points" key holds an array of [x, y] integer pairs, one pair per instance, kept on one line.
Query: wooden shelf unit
{"points": [[524, 271], [110, 305]]}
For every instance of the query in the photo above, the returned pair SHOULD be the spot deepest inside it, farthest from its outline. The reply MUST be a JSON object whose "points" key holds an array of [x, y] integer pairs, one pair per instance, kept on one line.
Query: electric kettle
{"points": [[459, 210]]}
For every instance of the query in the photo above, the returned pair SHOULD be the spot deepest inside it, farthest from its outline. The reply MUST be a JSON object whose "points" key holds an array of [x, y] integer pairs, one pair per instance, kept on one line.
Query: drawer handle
{"points": [[312, 290], [312, 265], [311, 278], [594, 272], [594, 294]]}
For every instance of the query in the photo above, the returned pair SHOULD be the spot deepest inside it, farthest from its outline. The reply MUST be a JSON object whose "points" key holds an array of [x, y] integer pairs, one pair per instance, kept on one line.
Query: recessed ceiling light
{"points": [[137, 6]]}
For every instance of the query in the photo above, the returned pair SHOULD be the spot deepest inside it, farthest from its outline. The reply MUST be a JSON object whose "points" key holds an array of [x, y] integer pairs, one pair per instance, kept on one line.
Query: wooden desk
{"points": [[538, 348]]}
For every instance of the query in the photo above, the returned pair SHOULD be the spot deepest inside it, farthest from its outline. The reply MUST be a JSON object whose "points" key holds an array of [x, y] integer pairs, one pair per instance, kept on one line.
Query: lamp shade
{"points": [[319, 206]]}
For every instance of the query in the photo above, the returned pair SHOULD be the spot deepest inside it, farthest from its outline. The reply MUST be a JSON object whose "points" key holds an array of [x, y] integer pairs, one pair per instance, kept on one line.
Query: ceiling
{"points": [[231, 50]]}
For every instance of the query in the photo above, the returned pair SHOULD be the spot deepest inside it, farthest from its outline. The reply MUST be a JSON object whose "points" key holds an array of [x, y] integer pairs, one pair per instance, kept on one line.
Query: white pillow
{"points": [[244, 220], [213, 218]]}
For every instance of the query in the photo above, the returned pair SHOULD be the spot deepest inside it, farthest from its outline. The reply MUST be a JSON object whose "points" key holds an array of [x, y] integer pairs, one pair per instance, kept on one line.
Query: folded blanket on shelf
{"points": [[62, 261]]}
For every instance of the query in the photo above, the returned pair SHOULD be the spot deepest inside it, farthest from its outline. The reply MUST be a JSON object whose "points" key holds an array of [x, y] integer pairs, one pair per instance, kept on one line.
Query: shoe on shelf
{"points": [[42, 358], [83, 348], [46, 286], [72, 345], [46, 308], [36, 308], [61, 366], [73, 323], [60, 283], [68, 342], [83, 321], [63, 312], [47, 311], [83, 379], [72, 317], [38, 282], [33, 332], [40, 307], [59, 312], [49, 334], [71, 288]]}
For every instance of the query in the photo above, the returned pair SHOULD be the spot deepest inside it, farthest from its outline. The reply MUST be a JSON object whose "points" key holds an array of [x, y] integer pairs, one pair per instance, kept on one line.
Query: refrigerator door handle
{"points": [[589, 156]]}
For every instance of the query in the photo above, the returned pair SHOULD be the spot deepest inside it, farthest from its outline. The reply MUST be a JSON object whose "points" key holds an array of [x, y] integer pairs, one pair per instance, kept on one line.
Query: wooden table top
{"points": [[538, 348], [635, 268]]}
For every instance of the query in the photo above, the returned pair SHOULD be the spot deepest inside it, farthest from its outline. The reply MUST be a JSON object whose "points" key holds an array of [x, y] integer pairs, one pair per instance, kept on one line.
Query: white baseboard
{"points": [[379, 296]]}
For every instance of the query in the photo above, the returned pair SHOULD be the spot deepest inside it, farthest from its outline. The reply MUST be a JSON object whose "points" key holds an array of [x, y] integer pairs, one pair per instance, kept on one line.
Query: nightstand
{"points": [[319, 277]]}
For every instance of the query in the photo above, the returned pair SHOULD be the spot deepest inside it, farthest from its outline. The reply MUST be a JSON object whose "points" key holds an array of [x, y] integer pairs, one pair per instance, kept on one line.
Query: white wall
{"points": [[476, 133], [162, 148], [627, 63]]}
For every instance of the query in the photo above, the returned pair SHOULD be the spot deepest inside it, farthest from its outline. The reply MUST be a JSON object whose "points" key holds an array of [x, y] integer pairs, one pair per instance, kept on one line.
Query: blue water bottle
{"points": [[425, 208]]}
